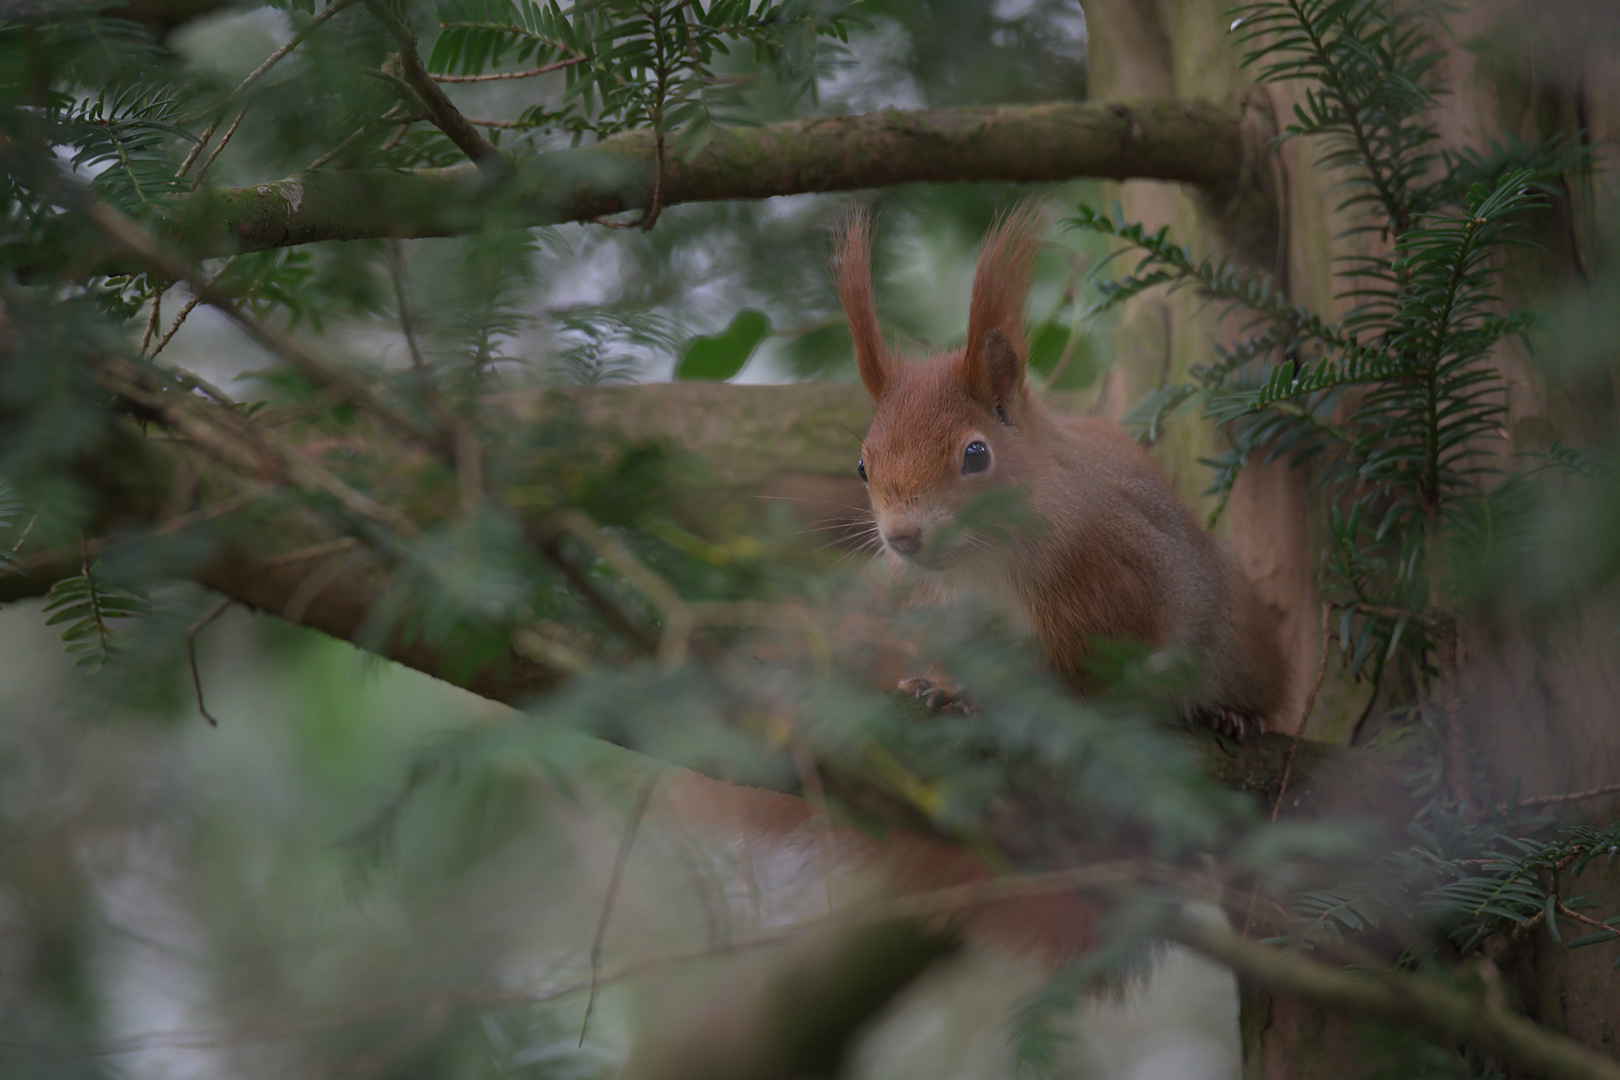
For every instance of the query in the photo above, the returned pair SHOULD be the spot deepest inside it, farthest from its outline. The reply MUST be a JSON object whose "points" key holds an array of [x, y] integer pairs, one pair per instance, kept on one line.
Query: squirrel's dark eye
{"points": [[860, 467], [976, 458]]}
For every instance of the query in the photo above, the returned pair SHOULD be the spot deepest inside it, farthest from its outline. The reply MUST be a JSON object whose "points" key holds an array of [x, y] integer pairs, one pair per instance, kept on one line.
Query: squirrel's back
{"points": [[1129, 560]]}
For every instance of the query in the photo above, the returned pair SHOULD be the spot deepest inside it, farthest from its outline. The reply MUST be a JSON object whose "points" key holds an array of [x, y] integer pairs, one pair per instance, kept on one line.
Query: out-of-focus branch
{"points": [[161, 15], [803, 1021], [801, 1024], [1405, 1000], [235, 443], [134, 240], [936, 902], [252, 77]]}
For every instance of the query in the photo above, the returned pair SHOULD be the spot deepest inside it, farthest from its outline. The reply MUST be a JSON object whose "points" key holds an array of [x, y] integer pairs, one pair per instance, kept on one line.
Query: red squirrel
{"points": [[1120, 557]]}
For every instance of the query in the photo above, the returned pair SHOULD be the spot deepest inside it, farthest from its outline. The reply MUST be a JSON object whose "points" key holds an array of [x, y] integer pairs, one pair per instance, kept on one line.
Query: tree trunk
{"points": [[1540, 702]]}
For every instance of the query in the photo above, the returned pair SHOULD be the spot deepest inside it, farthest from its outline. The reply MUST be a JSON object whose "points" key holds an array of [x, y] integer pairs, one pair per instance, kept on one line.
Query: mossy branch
{"points": [[1164, 140]]}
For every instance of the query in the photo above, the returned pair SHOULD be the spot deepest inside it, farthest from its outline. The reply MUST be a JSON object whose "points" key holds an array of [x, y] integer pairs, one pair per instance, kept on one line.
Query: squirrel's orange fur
{"points": [[1120, 557]]}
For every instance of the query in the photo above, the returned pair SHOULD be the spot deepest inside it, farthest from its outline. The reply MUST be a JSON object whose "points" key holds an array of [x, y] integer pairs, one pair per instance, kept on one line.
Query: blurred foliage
{"points": [[722, 355], [630, 64], [1396, 406], [358, 887], [296, 856], [1398, 409], [90, 607]]}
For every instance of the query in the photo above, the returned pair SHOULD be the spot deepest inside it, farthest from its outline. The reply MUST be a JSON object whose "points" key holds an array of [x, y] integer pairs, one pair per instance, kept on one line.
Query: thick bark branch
{"points": [[1190, 142]]}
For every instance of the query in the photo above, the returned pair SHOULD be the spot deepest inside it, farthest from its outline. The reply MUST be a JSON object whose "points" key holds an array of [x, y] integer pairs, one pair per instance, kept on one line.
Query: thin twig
{"points": [[389, 117], [23, 539], [626, 841], [191, 654], [1305, 715], [190, 380], [504, 125], [446, 117], [185, 312], [494, 75], [680, 617], [530, 642], [136, 240], [292, 43], [623, 561], [313, 551], [153, 319], [229, 437], [196, 148], [1574, 916], [53, 556], [223, 139], [650, 218], [343, 144], [1563, 797], [638, 636], [258, 72], [407, 314], [1293, 747], [463, 448], [815, 793]]}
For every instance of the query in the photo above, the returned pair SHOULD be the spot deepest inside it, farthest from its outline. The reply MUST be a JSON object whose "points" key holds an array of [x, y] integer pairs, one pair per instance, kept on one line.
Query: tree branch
{"points": [[446, 117], [133, 240], [1405, 1000], [1165, 140]]}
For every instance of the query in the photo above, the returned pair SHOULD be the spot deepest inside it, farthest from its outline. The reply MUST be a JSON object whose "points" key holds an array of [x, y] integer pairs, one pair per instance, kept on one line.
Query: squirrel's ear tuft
{"points": [[852, 275], [992, 365], [1003, 368]]}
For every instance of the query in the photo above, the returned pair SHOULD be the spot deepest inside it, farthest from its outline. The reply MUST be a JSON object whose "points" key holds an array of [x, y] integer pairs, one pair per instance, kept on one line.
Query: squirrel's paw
{"points": [[1233, 723], [936, 697]]}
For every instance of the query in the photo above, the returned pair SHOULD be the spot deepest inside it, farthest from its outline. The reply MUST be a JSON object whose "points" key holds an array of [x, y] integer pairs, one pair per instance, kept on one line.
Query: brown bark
{"points": [[1539, 696], [1194, 143]]}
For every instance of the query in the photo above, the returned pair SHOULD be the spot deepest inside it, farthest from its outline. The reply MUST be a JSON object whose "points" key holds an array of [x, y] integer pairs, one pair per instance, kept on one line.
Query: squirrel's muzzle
{"points": [[904, 542]]}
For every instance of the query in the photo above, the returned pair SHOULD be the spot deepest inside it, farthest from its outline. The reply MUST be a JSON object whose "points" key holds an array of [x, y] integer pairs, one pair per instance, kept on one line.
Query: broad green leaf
{"points": [[720, 356]]}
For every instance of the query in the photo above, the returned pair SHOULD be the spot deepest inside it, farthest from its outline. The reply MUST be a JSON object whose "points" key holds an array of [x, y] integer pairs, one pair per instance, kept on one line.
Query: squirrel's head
{"points": [[955, 426]]}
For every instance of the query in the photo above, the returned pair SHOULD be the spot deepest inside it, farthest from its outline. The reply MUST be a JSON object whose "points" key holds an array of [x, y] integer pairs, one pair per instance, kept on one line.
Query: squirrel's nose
{"points": [[906, 543]]}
